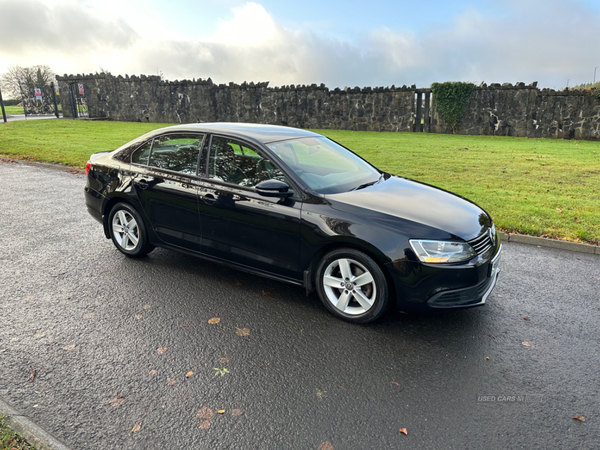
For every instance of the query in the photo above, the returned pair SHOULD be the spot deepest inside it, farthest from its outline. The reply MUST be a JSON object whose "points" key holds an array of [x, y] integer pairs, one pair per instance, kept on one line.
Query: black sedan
{"points": [[296, 206]]}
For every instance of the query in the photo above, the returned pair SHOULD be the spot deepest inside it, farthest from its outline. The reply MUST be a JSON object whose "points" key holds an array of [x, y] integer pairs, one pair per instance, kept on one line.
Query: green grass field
{"points": [[540, 187], [12, 110]]}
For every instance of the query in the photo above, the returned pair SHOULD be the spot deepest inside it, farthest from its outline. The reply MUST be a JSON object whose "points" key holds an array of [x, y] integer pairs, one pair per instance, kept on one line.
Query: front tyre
{"points": [[352, 286], [128, 232]]}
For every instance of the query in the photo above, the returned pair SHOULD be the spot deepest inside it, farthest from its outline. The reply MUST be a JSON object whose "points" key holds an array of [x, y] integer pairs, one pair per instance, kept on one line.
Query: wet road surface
{"points": [[287, 374]]}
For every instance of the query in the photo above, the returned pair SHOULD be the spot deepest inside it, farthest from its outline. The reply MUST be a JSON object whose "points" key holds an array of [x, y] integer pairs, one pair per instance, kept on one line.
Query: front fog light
{"points": [[442, 251]]}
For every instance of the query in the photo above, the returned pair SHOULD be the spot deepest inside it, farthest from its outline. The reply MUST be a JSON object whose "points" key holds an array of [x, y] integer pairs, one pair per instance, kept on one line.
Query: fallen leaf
{"points": [[161, 350], [147, 306], [266, 293], [189, 374], [580, 418], [487, 357], [326, 446], [393, 382], [222, 371], [526, 344], [238, 284], [404, 431], [236, 412], [16, 339], [559, 210], [69, 347], [88, 315], [32, 375], [525, 318], [205, 413], [136, 427], [39, 335], [153, 372], [3, 350], [341, 387], [224, 360], [205, 424], [138, 316], [117, 401], [214, 320], [171, 381], [221, 411], [242, 331]]}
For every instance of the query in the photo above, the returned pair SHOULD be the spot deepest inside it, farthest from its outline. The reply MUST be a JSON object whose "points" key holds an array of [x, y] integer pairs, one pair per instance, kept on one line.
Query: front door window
{"points": [[235, 163]]}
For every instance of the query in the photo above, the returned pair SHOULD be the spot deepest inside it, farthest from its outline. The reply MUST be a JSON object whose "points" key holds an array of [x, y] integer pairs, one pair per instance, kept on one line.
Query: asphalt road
{"points": [[89, 321]]}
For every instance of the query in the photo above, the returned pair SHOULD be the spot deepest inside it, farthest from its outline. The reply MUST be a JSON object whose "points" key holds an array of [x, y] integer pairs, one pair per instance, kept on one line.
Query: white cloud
{"points": [[251, 26]]}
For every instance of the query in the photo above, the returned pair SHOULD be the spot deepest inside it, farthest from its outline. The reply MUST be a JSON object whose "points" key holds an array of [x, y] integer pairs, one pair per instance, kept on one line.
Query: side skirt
{"points": [[230, 264]]}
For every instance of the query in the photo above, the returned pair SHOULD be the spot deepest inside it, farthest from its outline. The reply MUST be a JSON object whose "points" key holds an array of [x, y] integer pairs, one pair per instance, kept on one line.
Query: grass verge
{"points": [[540, 187], [12, 110], [9, 440]]}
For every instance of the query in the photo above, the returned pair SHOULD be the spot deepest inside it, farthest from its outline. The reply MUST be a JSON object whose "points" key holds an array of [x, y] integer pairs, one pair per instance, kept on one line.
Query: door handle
{"points": [[209, 198]]}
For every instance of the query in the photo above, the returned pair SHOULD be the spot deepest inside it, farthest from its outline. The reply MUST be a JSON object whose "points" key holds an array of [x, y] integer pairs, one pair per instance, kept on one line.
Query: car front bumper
{"points": [[468, 297], [425, 287]]}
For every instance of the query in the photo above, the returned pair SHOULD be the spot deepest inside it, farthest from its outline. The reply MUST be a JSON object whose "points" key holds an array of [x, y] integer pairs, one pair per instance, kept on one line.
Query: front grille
{"points": [[482, 243]]}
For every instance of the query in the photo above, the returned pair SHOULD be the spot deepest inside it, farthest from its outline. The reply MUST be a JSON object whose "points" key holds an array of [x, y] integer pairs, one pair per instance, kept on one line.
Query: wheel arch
{"points": [[379, 258], [110, 203]]}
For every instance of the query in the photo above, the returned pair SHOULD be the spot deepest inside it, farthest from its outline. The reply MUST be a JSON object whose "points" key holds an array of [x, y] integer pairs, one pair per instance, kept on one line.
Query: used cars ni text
{"points": [[296, 206]]}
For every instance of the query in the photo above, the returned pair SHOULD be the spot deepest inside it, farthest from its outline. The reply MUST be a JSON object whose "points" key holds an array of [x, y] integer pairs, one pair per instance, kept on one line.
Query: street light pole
{"points": [[2, 106], [594, 82]]}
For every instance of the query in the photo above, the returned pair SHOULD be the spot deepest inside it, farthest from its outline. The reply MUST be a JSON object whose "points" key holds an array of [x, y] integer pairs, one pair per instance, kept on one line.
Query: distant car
{"points": [[295, 206]]}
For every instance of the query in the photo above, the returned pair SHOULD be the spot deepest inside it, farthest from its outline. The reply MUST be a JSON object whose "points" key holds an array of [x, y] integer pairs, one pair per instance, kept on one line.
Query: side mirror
{"points": [[273, 188]]}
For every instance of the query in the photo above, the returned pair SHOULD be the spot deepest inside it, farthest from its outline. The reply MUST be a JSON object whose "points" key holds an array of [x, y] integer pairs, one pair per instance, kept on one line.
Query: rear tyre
{"points": [[128, 232], [352, 286]]}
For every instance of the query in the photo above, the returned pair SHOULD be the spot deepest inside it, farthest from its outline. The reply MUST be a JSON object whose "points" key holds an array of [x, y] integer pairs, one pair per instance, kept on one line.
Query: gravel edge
{"points": [[30, 431]]}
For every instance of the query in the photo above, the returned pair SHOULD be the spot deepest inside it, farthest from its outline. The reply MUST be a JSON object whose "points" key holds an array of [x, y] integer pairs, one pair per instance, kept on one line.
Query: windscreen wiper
{"points": [[370, 183]]}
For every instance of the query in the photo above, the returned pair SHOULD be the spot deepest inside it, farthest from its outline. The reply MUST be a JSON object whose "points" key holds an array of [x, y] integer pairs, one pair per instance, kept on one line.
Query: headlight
{"points": [[442, 251]]}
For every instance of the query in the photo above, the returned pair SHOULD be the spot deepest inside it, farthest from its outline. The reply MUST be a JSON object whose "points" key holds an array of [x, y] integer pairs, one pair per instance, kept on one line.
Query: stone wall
{"points": [[148, 99], [503, 110], [507, 110]]}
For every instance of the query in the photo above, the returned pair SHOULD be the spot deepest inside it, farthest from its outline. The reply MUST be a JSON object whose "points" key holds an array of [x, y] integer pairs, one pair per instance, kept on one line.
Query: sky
{"points": [[339, 43]]}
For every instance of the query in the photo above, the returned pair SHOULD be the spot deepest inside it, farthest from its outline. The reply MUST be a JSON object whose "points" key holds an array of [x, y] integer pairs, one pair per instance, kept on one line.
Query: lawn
{"points": [[12, 110], [540, 187]]}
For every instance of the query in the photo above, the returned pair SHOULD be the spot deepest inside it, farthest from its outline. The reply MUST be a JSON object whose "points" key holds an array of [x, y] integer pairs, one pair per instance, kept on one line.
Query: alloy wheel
{"points": [[125, 230], [349, 286]]}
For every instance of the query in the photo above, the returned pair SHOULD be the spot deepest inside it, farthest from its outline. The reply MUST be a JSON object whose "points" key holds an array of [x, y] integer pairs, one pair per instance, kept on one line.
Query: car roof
{"points": [[257, 132]]}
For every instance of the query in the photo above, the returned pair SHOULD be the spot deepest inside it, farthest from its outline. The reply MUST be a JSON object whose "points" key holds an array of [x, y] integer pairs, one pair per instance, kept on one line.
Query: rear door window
{"points": [[174, 152]]}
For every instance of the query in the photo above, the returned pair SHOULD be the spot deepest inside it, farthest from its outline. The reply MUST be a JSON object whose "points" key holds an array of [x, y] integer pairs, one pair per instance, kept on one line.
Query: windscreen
{"points": [[325, 166]]}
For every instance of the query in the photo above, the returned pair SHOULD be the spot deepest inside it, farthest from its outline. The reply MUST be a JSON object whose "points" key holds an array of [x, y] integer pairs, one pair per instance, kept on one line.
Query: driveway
{"points": [[94, 345], [16, 117]]}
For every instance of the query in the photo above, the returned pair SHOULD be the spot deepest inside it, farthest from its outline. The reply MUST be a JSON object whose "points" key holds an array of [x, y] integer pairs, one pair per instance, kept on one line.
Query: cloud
{"points": [[30, 26], [549, 41]]}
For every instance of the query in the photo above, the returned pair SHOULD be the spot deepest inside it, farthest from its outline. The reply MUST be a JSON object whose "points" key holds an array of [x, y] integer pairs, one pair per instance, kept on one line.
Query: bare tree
{"points": [[20, 82]]}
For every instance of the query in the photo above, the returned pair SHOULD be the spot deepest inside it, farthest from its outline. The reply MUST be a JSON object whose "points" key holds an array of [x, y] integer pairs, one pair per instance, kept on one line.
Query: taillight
{"points": [[88, 166]]}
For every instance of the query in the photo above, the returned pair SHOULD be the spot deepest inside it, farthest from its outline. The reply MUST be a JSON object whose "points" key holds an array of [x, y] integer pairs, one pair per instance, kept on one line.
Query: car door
{"points": [[164, 177], [239, 224]]}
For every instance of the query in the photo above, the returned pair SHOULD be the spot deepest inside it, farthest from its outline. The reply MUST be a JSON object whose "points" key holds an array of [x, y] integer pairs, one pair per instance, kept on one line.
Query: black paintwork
{"points": [[285, 237]]}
